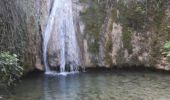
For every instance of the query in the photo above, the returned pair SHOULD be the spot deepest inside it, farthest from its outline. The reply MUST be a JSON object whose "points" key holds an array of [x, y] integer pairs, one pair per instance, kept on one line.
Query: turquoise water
{"points": [[105, 85]]}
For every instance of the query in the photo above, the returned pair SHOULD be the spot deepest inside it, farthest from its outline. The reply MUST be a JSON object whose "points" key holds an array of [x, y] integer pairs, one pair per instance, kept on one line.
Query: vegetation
{"points": [[166, 48], [108, 51], [19, 32], [135, 16], [10, 69], [127, 35], [141, 15], [93, 17]]}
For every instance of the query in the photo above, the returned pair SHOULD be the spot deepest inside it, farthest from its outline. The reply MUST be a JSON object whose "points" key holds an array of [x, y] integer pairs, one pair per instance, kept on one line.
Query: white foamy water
{"points": [[62, 15]]}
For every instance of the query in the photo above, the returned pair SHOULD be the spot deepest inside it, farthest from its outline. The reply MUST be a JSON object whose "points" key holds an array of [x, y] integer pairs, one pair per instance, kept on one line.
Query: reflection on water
{"points": [[61, 88], [96, 86]]}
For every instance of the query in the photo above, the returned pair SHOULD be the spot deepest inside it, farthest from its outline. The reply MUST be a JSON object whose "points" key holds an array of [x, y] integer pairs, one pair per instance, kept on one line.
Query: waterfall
{"points": [[47, 35], [61, 13]]}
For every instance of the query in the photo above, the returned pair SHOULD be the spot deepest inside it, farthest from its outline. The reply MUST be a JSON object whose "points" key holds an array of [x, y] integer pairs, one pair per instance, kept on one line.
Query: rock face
{"points": [[121, 33], [21, 24], [109, 32]]}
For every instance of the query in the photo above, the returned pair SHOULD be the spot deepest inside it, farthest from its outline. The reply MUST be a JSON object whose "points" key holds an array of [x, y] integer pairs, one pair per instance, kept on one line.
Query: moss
{"points": [[108, 51], [161, 29], [162, 35], [156, 12], [83, 1], [164, 29], [132, 15], [19, 32], [12, 39], [120, 58], [93, 17], [108, 59], [94, 47], [140, 15], [109, 45], [115, 15], [113, 19], [127, 36]]}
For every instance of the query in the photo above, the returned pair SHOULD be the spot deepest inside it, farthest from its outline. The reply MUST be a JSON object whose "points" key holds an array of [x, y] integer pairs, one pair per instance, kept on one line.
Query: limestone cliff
{"points": [[125, 33], [109, 32], [21, 24]]}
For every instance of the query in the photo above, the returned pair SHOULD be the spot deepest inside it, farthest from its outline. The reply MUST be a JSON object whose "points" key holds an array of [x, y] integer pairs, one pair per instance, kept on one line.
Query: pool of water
{"points": [[105, 85]]}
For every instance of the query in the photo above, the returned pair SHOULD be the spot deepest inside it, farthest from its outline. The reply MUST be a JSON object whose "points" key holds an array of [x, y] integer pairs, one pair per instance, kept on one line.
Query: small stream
{"points": [[98, 85]]}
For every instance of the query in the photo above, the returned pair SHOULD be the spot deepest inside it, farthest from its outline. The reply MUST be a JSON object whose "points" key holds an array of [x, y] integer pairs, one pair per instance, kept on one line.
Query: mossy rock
{"points": [[127, 37], [108, 52], [93, 17]]}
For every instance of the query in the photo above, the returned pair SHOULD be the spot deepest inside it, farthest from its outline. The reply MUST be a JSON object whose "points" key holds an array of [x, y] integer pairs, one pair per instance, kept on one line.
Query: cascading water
{"points": [[61, 13], [47, 35]]}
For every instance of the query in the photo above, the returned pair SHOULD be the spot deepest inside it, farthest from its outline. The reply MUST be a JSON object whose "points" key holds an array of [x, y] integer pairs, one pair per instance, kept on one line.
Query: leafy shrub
{"points": [[10, 70], [166, 49]]}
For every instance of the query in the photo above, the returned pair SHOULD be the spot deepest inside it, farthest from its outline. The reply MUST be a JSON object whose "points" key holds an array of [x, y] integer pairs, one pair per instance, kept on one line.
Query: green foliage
{"points": [[109, 45], [10, 70], [127, 35], [166, 49], [167, 45], [141, 15], [14, 35], [94, 47], [93, 17], [132, 14], [108, 51]]}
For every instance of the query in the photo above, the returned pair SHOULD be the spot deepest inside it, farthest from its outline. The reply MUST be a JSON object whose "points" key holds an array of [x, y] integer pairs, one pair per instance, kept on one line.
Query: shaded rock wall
{"points": [[21, 24]]}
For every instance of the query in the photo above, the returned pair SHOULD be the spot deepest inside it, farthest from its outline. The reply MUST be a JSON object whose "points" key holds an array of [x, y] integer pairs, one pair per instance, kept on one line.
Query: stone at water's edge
{"points": [[103, 32]]}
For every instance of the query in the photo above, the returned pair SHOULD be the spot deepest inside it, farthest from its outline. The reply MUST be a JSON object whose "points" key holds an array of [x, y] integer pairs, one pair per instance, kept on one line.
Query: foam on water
{"points": [[53, 73]]}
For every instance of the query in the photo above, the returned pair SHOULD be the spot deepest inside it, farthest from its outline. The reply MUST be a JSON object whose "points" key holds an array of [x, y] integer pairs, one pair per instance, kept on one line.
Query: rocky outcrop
{"points": [[21, 24], [109, 32], [125, 33]]}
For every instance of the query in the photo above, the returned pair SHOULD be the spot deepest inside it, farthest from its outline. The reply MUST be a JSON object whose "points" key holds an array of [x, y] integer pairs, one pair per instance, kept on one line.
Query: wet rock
{"points": [[106, 34]]}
